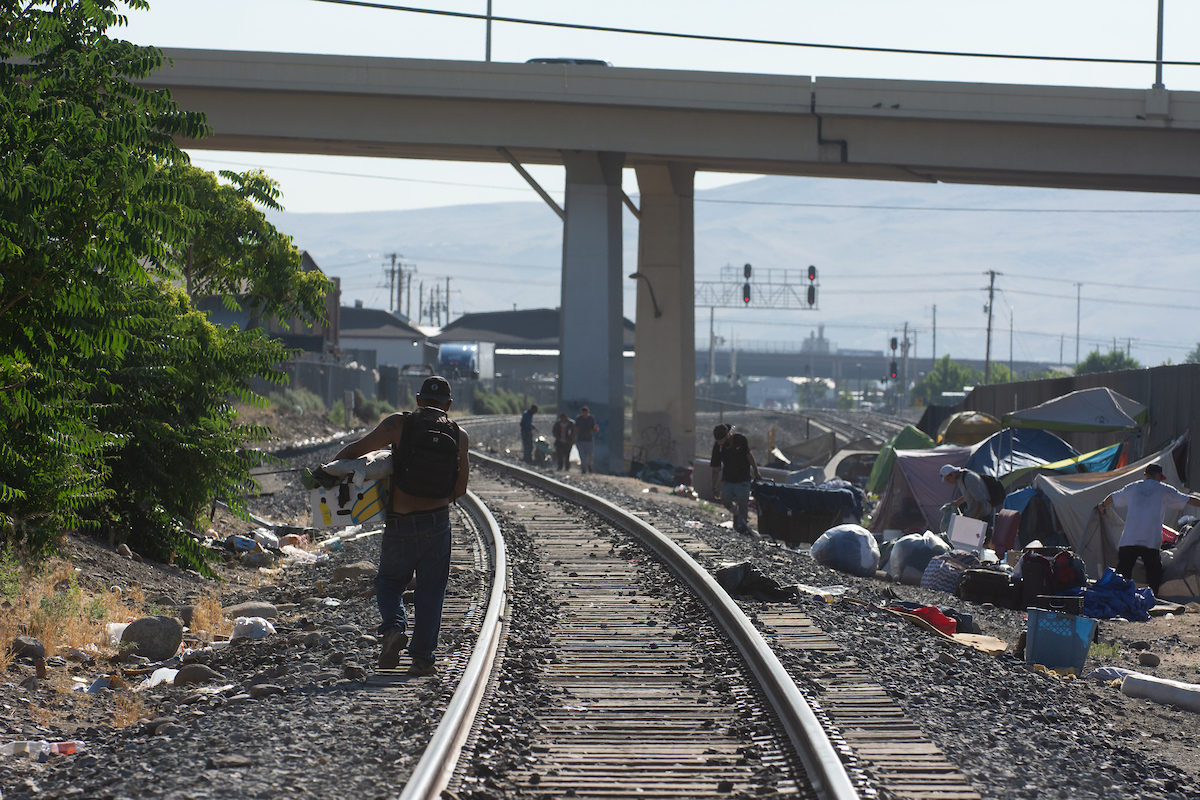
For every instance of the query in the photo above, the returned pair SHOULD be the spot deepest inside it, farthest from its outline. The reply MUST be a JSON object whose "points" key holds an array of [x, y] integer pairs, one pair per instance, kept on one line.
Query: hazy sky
{"points": [[1087, 28]]}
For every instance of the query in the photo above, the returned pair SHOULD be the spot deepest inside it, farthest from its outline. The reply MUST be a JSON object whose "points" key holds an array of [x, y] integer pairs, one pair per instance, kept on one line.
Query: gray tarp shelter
{"points": [[1097, 410], [1094, 537]]}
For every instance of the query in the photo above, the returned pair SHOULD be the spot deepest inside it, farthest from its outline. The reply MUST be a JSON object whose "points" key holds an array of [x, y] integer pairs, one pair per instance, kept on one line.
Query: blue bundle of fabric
{"points": [[1117, 596]]}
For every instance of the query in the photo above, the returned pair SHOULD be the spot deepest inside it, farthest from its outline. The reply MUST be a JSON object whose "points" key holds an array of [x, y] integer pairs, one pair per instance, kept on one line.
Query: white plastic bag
{"points": [[848, 548], [251, 628]]}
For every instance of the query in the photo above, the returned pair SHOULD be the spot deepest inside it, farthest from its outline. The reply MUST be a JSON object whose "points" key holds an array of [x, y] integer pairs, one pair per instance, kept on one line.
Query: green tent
{"points": [[908, 439]]}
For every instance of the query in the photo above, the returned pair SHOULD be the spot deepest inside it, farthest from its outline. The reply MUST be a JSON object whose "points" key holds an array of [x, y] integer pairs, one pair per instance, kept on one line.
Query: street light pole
{"points": [[1158, 82]]}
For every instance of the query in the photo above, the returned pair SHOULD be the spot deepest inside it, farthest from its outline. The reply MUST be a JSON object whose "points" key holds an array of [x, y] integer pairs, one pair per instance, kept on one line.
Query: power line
{"points": [[745, 40]]}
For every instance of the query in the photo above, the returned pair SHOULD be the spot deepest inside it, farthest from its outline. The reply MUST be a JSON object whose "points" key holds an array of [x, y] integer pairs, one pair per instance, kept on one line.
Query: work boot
{"points": [[420, 668], [394, 641]]}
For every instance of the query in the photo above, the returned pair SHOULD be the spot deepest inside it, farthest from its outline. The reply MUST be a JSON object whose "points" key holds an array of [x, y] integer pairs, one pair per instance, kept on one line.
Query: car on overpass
{"points": [[586, 62]]}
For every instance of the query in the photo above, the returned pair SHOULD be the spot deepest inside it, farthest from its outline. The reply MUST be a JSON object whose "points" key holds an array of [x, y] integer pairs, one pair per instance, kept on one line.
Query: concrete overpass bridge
{"points": [[667, 125]]}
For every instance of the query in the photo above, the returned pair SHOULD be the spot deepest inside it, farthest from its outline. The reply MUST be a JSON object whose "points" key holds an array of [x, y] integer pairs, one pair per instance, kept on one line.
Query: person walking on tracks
{"points": [[527, 434], [733, 463], [429, 471], [564, 438], [585, 438], [1146, 503]]}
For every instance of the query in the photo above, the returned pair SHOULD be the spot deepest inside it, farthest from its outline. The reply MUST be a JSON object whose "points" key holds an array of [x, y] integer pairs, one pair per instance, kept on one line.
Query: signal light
{"points": [[746, 271], [894, 343], [746, 293], [892, 370], [812, 273], [812, 295]]}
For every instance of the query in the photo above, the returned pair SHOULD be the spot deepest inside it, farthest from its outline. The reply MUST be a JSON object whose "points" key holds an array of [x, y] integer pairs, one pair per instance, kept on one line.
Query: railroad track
{"points": [[642, 692]]}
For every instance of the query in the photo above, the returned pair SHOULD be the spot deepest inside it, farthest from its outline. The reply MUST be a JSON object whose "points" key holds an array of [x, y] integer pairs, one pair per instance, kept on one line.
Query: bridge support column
{"points": [[591, 367], [664, 382]]}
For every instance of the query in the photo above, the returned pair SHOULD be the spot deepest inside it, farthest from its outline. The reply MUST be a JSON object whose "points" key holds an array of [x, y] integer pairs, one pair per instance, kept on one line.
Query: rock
{"points": [[233, 760], [946, 658], [1139, 645], [257, 558], [196, 673], [354, 672], [360, 569], [260, 690], [185, 613], [367, 640], [124, 550], [27, 647], [254, 608], [1192, 608], [170, 729], [155, 638], [1149, 659]]}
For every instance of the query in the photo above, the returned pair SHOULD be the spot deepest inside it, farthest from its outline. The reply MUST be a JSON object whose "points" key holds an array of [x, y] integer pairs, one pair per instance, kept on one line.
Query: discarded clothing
{"points": [[745, 579], [1117, 596]]}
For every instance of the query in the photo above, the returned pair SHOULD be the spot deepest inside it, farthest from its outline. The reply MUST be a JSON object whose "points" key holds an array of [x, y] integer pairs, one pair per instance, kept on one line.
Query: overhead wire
{"points": [[701, 37]]}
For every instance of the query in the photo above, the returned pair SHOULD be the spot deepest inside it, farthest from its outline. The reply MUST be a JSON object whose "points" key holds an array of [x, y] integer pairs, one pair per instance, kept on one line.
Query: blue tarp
{"points": [[1017, 448]]}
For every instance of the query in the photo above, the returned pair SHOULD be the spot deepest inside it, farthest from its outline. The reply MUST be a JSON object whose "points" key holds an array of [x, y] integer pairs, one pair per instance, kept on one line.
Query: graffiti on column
{"points": [[656, 442]]}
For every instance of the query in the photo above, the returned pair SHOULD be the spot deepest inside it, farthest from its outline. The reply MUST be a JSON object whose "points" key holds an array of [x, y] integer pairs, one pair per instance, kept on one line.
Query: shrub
{"points": [[337, 414], [370, 411], [302, 399], [500, 401]]}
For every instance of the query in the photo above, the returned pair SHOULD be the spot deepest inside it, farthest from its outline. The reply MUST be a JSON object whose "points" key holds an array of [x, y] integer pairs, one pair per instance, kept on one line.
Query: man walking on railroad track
{"points": [[585, 438], [732, 464], [429, 471]]}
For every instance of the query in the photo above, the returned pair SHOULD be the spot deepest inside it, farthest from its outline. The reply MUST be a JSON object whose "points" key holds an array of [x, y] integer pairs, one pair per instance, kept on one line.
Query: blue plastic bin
{"points": [[1058, 641]]}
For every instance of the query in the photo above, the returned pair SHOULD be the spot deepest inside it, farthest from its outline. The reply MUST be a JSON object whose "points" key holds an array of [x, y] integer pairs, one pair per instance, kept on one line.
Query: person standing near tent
{"points": [[974, 498], [733, 462], [1147, 502]]}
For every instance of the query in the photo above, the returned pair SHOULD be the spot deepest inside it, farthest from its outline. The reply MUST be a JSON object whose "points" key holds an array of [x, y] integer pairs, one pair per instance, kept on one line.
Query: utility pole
{"points": [[1060, 349], [420, 302], [1078, 296], [1158, 83], [712, 345], [394, 285], [408, 308], [487, 48], [1011, 375], [933, 350], [447, 299], [904, 358], [987, 358]]}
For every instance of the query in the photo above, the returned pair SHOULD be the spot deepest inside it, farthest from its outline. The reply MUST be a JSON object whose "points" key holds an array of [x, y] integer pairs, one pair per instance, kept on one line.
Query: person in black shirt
{"points": [[732, 466]]}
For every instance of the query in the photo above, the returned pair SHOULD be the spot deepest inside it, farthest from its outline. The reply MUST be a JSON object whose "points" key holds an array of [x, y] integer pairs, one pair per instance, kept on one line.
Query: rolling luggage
{"points": [[1004, 533], [987, 586]]}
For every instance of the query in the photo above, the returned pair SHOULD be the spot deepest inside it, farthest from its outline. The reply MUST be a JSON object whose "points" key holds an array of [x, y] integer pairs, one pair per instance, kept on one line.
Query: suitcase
{"points": [[1004, 533], [987, 586]]}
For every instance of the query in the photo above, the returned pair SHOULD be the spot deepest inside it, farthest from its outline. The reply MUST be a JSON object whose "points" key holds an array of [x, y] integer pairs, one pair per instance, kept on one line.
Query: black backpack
{"points": [[425, 463], [995, 490]]}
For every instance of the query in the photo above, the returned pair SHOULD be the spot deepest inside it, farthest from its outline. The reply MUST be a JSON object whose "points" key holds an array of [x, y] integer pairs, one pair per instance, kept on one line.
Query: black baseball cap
{"points": [[436, 388], [721, 431]]}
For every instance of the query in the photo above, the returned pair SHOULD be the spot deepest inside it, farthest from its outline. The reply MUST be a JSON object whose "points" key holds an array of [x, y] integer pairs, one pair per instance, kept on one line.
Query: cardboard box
{"points": [[966, 533], [346, 504]]}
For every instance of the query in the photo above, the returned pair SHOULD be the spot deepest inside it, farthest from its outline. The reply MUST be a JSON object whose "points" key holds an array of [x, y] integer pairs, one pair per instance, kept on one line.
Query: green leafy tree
{"points": [[1194, 356], [232, 251], [81, 192], [1108, 362], [946, 376], [114, 392]]}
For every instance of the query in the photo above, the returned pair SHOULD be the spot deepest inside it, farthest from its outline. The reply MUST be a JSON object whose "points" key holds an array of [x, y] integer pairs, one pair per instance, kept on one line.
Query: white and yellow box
{"points": [[346, 504]]}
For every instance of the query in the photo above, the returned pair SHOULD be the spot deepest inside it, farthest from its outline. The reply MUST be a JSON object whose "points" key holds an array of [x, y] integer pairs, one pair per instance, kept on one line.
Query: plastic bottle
{"points": [[24, 748]]}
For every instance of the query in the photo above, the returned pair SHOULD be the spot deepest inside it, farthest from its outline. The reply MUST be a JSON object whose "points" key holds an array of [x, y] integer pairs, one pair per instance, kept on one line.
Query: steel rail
{"points": [[433, 772], [821, 761]]}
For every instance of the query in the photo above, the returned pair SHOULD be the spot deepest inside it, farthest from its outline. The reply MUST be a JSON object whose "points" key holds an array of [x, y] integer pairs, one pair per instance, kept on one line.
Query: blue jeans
{"points": [[414, 543], [527, 446], [587, 450], [737, 500]]}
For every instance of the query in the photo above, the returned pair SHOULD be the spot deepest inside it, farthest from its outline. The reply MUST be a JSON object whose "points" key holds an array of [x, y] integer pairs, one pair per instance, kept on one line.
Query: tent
{"points": [[909, 438], [915, 489], [1092, 535], [1096, 410], [967, 427], [1102, 460]]}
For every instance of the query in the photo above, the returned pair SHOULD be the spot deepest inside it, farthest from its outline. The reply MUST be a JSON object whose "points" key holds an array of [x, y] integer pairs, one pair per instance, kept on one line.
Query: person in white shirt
{"points": [[1147, 502]]}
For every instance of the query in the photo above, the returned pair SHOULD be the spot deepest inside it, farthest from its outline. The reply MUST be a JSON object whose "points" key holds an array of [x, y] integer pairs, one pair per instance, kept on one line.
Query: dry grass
{"points": [[128, 709], [207, 615]]}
